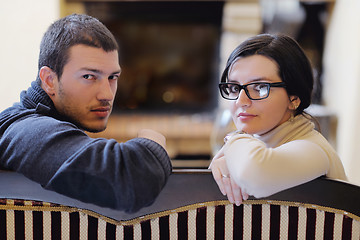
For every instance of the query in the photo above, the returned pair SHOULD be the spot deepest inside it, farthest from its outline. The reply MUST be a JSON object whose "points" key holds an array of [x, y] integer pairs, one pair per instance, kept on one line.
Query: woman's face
{"points": [[259, 116]]}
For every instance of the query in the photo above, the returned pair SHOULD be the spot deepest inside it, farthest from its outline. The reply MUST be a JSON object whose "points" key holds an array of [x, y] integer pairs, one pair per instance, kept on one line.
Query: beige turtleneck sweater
{"points": [[289, 155]]}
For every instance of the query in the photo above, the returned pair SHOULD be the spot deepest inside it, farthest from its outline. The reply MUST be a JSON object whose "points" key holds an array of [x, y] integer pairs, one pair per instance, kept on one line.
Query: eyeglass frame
{"points": [[244, 87]]}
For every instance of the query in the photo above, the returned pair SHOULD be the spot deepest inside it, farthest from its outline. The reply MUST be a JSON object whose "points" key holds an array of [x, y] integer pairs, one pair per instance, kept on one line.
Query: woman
{"points": [[275, 146]]}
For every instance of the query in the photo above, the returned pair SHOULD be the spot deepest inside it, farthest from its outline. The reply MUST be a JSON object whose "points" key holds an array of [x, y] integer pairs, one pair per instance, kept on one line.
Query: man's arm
{"points": [[153, 135], [61, 157]]}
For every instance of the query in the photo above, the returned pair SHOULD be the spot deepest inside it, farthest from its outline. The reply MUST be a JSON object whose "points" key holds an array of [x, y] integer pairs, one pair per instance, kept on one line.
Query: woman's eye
{"points": [[234, 89], [260, 87]]}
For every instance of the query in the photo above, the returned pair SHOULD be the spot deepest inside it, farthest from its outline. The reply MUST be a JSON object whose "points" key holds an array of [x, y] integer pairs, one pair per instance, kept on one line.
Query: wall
{"points": [[342, 81], [22, 23]]}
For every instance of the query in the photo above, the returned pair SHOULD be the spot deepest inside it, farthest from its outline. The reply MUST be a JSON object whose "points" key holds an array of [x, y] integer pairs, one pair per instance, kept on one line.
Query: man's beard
{"points": [[92, 130], [69, 114]]}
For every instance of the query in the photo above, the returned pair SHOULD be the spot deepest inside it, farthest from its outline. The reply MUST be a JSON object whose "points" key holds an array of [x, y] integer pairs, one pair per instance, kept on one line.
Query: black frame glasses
{"points": [[225, 89]]}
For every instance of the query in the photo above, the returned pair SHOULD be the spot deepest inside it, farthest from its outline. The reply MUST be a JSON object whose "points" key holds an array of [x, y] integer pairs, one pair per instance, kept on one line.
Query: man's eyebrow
{"points": [[98, 71], [117, 72], [90, 70]]}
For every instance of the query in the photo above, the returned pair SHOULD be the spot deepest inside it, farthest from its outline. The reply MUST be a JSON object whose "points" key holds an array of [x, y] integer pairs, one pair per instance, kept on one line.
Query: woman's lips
{"points": [[245, 116]]}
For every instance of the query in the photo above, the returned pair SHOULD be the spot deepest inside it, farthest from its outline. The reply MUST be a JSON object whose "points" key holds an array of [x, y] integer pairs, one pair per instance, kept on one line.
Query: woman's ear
{"points": [[48, 80], [294, 102]]}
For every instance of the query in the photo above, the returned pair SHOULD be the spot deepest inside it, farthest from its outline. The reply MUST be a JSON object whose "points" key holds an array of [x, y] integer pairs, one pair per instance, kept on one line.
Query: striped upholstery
{"points": [[255, 219]]}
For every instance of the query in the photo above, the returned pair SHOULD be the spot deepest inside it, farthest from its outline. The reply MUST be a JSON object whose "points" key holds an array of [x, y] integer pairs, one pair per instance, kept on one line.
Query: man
{"points": [[43, 135]]}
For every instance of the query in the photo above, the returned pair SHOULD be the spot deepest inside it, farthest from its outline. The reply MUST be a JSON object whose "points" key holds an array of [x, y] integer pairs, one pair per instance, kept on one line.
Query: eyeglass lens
{"points": [[253, 90]]}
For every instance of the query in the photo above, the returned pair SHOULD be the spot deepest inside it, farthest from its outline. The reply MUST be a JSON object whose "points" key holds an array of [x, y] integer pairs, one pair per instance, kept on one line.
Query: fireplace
{"points": [[169, 54]]}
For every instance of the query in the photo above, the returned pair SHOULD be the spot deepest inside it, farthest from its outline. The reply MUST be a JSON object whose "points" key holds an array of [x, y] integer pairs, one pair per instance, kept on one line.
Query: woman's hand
{"points": [[224, 181]]}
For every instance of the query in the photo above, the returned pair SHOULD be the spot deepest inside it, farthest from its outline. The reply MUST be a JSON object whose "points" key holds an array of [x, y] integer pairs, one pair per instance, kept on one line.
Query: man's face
{"points": [[86, 90]]}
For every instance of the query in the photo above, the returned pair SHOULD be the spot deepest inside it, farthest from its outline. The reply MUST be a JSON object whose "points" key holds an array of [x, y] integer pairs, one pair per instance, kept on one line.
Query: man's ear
{"points": [[48, 79], [294, 102]]}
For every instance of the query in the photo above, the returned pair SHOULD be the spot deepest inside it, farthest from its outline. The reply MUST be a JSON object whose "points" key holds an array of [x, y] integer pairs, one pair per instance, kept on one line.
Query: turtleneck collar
{"points": [[35, 95], [287, 131]]}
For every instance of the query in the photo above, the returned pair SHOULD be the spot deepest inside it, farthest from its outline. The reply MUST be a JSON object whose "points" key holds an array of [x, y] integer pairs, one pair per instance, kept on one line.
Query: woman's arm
{"points": [[224, 181], [262, 171]]}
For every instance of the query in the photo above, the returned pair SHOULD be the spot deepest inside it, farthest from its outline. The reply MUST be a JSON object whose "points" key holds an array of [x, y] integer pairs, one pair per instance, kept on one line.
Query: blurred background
{"points": [[173, 52]]}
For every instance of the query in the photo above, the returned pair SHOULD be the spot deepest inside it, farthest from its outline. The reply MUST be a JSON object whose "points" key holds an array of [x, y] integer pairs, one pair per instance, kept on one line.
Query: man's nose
{"points": [[106, 91]]}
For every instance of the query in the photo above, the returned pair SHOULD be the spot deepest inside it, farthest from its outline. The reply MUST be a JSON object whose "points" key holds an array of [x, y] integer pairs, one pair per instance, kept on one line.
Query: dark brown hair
{"points": [[294, 67], [69, 31]]}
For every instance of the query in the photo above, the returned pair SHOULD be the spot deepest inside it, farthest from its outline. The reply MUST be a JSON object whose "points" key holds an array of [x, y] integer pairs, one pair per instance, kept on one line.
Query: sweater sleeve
{"points": [[261, 171], [125, 176]]}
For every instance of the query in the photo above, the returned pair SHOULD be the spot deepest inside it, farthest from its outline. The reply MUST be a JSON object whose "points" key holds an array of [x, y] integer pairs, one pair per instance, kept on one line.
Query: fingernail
{"points": [[238, 203]]}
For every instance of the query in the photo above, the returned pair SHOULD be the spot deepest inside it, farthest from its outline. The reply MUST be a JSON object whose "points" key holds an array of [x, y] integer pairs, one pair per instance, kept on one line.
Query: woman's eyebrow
{"points": [[259, 79]]}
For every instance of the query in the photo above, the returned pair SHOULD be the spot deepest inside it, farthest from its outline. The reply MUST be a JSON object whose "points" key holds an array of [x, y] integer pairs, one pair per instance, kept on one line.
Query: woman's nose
{"points": [[243, 99]]}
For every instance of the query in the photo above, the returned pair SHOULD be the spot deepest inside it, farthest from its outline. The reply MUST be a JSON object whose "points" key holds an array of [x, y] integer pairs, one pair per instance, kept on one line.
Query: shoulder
{"points": [[18, 116], [39, 122], [28, 126]]}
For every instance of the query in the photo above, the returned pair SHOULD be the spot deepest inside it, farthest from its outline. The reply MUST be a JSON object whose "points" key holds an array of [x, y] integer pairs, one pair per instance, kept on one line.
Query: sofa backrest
{"points": [[190, 207]]}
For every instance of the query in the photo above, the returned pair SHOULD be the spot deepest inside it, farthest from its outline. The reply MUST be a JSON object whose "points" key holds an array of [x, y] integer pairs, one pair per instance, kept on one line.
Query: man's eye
{"points": [[89, 77], [114, 77]]}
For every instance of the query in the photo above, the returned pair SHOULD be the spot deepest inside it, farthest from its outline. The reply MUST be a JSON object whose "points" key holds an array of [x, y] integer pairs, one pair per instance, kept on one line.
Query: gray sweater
{"points": [[41, 144]]}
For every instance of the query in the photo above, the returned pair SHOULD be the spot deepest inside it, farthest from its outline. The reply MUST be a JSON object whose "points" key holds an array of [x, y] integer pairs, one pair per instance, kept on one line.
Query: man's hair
{"points": [[293, 65], [69, 31]]}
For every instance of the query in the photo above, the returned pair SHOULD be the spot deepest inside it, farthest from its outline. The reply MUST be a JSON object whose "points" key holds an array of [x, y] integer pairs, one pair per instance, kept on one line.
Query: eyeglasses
{"points": [[254, 91]]}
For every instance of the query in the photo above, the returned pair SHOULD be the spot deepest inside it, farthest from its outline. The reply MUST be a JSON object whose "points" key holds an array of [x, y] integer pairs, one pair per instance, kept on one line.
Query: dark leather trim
{"points": [[190, 186]]}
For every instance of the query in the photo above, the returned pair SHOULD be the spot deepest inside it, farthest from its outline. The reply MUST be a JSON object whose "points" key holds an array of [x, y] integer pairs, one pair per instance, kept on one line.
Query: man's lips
{"points": [[101, 111]]}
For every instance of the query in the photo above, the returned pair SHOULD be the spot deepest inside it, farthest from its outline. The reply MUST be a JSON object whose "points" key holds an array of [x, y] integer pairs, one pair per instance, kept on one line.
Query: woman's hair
{"points": [[69, 31], [293, 65]]}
